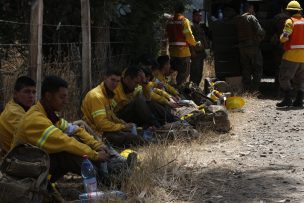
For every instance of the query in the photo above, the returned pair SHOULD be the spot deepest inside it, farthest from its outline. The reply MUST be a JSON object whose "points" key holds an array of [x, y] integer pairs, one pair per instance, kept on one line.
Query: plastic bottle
{"points": [[148, 135], [220, 14], [99, 195], [89, 175], [134, 130]]}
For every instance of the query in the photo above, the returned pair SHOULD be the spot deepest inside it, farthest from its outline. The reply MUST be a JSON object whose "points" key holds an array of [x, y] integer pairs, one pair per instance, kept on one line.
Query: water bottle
{"points": [[220, 14], [89, 175], [148, 135], [134, 130], [99, 195]]}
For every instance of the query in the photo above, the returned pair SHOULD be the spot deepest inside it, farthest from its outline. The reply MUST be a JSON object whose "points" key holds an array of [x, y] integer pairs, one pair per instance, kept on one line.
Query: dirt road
{"points": [[260, 160]]}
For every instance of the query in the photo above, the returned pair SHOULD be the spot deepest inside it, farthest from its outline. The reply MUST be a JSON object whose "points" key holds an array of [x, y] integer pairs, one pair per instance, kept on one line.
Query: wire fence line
{"points": [[14, 60]]}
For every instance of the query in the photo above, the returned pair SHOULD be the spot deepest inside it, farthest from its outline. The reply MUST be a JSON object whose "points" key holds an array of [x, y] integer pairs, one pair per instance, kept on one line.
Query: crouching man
{"points": [[66, 143]]}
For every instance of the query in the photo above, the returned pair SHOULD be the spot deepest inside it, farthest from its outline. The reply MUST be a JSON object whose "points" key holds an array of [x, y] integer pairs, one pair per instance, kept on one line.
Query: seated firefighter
{"points": [[161, 74], [23, 99], [97, 108], [66, 143], [128, 104]]}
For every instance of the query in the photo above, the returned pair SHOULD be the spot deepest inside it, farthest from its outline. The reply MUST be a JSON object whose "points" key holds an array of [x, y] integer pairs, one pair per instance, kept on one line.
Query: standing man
{"points": [[23, 99], [292, 65], [180, 37], [198, 53], [250, 34]]}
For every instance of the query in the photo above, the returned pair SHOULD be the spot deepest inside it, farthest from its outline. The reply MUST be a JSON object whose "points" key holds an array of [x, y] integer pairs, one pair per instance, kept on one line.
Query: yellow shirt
{"points": [[9, 121], [37, 129], [184, 51], [97, 111], [168, 88], [293, 55]]}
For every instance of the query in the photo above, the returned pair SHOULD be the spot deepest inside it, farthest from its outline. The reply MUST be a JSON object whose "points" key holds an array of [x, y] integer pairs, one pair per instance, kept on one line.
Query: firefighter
{"points": [[250, 34], [66, 143], [180, 37], [24, 98], [97, 108], [127, 103], [291, 74], [198, 53]]}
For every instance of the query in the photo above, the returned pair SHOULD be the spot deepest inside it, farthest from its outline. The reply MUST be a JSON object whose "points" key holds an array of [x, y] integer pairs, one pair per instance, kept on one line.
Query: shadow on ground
{"points": [[219, 185]]}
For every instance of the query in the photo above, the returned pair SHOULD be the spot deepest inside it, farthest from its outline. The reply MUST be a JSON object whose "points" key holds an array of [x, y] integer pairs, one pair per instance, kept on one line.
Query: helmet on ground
{"points": [[233, 103], [294, 6]]}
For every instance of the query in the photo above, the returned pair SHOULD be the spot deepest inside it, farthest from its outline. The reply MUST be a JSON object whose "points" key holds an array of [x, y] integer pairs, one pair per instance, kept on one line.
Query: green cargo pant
{"points": [[252, 67]]}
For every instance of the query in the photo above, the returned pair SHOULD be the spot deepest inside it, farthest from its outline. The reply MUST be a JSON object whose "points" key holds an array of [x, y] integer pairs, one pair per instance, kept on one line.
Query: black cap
{"points": [[195, 11]]}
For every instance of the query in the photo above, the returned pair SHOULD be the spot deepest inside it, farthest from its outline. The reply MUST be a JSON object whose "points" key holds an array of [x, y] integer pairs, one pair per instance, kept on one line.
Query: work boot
{"points": [[287, 101], [299, 100]]}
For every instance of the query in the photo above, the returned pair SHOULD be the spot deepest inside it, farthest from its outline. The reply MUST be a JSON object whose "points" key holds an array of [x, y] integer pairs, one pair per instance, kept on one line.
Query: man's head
{"points": [[148, 74], [249, 8], [112, 79], [54, 92], [133, 77], [179, 7], [196, 16], [294, 7], [164, 64], [147, 60], [25, 92]]}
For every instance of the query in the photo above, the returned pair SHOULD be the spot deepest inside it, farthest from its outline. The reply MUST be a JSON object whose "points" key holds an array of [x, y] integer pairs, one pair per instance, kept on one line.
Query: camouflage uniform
{"points": [[198, 54], [250, 33]]}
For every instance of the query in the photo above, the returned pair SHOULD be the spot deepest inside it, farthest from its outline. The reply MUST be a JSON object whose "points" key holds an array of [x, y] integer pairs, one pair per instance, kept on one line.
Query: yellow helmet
{"points": [[294, 6]]}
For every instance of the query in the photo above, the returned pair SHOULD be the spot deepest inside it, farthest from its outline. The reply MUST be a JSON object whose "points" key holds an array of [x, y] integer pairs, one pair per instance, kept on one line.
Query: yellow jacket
{"points": [[293, 55], [97, 109], [37, 129], [121, 99], [184, 51], [157, 94], [9, 120], [168, 88]]}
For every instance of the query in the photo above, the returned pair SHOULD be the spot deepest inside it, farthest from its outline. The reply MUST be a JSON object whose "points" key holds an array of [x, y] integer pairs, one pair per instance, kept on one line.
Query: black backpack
{"points": [[24, 175]]}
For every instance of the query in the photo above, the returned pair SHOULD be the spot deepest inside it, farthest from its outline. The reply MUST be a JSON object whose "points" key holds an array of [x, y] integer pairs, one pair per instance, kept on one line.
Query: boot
{"points": [[299, 100], [287, 101]]}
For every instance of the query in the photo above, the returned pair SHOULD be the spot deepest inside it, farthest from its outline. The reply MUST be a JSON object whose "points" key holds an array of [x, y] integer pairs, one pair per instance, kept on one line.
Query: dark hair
{"points": [[179, 7], [148, 72], [196, 11], [162, 60], [247, 6], [23, 82], [52, 84], [147, 60], [293, 12], [110, 72], [132, 72]]}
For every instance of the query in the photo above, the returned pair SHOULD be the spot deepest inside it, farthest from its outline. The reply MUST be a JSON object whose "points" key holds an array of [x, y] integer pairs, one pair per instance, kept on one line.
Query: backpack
{"points": [[24, 175]]}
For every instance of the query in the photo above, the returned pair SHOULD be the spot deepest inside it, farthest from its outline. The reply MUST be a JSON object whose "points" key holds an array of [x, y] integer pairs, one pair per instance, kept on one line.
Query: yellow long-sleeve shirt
{"points": [[37, 129], [157, 94], [121, 98], [9, 120], [168, 88], [293, 55], [97, 109], [184, 51]]}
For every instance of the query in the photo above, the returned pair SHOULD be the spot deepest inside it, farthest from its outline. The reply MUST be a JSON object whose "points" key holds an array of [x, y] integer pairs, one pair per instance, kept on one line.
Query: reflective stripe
{"points": [[46, 133], [178, 43], [99, 113], [297, 46], [175, 22], [299, 23], [64, 124]]}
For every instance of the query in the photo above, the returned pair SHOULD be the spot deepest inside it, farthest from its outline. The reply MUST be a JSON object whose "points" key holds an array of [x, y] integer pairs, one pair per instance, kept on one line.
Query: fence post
{"points": [[86, 46], [36, 43]]}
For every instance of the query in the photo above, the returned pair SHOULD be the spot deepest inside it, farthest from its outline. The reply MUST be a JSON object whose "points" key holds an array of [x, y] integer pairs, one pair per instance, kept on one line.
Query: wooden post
{"points": [[86, 45], [36, 43]]}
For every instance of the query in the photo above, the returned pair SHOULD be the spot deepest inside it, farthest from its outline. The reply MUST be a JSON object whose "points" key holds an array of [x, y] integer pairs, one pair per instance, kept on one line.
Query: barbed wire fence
{"points": [[67, 62]]}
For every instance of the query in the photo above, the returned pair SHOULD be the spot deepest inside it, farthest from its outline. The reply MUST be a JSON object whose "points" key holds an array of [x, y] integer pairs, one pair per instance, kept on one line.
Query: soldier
{"points": [[198, 53], [250, 34]]}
